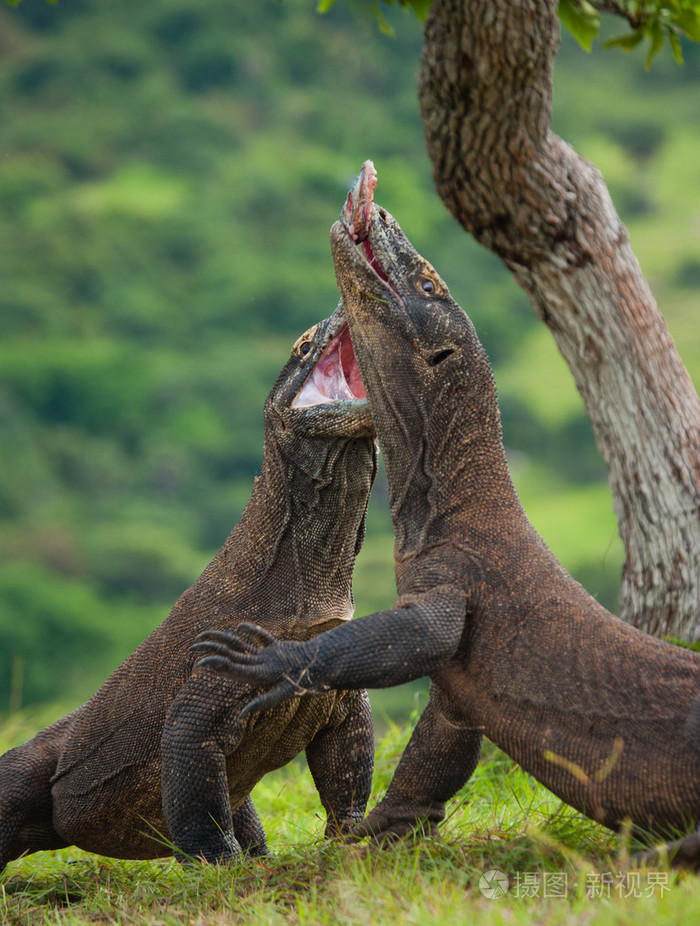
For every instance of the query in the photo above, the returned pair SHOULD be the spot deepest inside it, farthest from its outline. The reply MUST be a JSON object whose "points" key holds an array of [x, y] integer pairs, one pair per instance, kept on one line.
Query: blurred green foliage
{"points": [[168, 175]]}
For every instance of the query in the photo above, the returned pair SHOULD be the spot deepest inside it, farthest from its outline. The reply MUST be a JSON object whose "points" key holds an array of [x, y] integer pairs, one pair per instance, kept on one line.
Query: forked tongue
{"points": [[356, 211], [356, 215]]}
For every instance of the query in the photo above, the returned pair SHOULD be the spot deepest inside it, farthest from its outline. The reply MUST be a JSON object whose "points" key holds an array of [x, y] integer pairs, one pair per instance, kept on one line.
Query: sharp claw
{"points": [[232, 640], [200, 646], [218, 663], [222, 636], [231, 647], [269, 699], [252, 707], [234, 660]]}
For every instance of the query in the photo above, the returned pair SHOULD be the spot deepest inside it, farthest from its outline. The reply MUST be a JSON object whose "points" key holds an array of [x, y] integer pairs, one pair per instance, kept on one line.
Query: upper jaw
{"points": [[367, 237], [364, 261]]}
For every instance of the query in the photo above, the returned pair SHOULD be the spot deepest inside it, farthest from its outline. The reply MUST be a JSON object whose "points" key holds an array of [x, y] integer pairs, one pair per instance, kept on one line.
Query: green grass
{"points": [[503, 820]]}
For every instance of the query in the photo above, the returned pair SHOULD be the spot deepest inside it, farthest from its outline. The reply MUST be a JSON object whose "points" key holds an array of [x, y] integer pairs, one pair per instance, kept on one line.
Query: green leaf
{"points": [[689, 22], [383, 23], [655, 31], [421, 8], [625, 42], [372, 9], [582, 21], [676, 47]]}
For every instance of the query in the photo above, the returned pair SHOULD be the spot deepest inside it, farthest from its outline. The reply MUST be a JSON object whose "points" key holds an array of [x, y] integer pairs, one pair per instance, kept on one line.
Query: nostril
{"points": [[440, 356]]}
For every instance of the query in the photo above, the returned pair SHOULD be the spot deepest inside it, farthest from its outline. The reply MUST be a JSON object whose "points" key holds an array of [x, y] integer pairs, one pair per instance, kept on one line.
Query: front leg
{"points": [[383, 649], [195, 792], [438, 761], [341, 761]]}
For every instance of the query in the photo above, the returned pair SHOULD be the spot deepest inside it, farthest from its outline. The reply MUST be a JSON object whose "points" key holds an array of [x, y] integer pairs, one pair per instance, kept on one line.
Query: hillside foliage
{"points": [[169, 173]]}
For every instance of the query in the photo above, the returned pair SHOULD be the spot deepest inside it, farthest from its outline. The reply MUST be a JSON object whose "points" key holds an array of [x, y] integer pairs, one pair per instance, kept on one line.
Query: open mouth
{"points": [[357, 212], [336, 376]]}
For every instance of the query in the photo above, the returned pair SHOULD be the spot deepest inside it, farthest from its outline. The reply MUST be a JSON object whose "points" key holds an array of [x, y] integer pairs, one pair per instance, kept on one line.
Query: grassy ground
{"points": [[561, 868]]}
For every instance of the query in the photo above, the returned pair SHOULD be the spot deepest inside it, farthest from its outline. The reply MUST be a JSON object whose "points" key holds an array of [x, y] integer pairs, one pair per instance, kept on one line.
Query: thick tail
{"points": [[683, 853], [26, 808]]}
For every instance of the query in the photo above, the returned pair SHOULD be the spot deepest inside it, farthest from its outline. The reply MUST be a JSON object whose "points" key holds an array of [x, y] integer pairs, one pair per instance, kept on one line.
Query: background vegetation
{"points": [[168, 175]]}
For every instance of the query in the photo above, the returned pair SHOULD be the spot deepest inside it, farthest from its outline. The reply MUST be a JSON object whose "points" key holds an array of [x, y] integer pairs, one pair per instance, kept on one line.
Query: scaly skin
{"points": [[160, 751], [603, 715]]}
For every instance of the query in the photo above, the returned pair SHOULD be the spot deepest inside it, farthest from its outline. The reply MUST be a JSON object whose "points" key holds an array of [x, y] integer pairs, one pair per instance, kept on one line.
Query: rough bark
{"points": [[485, 94]]}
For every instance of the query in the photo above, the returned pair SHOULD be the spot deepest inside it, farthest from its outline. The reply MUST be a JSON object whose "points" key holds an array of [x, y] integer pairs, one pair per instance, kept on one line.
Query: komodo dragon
{"points": [[93, 779], [603, 715]]}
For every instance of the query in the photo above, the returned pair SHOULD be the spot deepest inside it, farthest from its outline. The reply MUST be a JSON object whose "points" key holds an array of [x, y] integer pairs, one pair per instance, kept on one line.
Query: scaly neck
{"points": [[295, 545]]}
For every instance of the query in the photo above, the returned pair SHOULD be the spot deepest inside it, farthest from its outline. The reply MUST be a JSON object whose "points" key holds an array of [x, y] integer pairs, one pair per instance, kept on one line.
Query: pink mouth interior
{"points": [[374, 263], [336, 375]]}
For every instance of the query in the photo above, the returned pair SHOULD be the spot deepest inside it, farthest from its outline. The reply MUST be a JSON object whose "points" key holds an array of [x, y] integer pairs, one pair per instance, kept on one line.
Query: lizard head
{"points": [[412, 340], [429, 382], [319, 392]]}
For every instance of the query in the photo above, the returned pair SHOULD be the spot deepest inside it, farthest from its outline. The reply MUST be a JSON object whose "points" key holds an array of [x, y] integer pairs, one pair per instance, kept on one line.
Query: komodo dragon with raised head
{"points": [[605, 716], [93, 779]]}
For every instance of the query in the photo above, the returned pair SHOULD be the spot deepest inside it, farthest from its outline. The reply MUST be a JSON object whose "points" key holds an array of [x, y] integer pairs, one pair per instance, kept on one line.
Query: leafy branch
{"points": [[655, 20]]}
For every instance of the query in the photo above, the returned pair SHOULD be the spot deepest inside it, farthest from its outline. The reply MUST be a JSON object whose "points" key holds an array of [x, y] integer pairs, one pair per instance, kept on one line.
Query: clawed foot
{"points": [[226, 650], [250, 654], [385, 829]]}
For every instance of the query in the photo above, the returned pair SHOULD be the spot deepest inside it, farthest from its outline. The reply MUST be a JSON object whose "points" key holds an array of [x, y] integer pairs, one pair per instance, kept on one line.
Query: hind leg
{"points": [[26, 807]]}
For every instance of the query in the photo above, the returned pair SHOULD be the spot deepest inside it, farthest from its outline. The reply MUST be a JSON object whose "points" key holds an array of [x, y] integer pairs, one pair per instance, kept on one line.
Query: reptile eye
{"points": [[302, 345], [427, 286]]}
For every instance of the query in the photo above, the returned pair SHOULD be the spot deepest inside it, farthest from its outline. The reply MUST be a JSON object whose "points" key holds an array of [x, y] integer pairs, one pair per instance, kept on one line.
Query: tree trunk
{"points": [[485, 93]]}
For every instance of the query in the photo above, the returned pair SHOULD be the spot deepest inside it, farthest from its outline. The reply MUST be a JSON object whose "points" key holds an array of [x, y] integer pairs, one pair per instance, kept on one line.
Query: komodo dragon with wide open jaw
{"points": [[93, 779], [605, 716]]}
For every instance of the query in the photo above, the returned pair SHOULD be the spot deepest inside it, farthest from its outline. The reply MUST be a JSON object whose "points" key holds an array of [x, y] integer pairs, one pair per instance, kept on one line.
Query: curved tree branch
{"points": [[485, 93]]}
